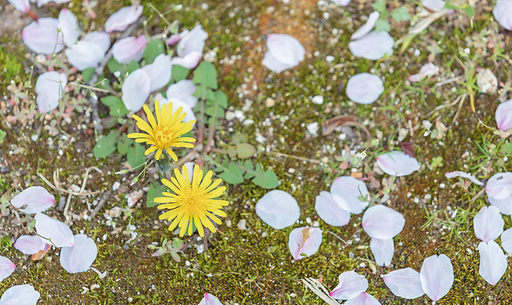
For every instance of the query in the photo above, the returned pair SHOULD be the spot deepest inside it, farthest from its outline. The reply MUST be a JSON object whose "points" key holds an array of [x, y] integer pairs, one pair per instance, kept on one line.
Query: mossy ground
{"points": [[253, 266]]}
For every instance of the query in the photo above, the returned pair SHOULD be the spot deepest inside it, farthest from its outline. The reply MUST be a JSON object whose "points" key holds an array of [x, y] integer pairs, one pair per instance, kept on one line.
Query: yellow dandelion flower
{"points": [[164, 132], [193, 201]]}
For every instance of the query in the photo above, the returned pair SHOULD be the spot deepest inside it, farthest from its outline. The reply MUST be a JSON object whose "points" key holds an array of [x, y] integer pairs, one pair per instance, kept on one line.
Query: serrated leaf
{"points": [[222, 99], [114, 66], [118, 110], [506, 148], [155, 190], [379, 6], [111, 100], [178, 73], [203, 91], [87, 74], [205, 74], [136, 155], [154, 48], [382, 25], [266, 179], [106, 145], [124, 144], [232, 174], [132, 66], [401, 14]]}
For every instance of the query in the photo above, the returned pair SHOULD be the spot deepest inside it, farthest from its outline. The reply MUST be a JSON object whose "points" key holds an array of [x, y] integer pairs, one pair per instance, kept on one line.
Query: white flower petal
{"points": [[159, 72], [373, 46], [504, 115], [341, 2], [404, 283], [49, 89], [304, 242], [210, 300], [397, 163], [121, 19], [129, 48], [80, 257], [493, 262], [503, 13], [190, 61], [363, 298], [183, 91], [30, 244], [83, 55], [364, 88], [434, 5], [34, 199], [136, 90], [345, 190], [176, 37], [20, 295], [330, 211], [193, 41], [6, 268], [436, 276], [504, 205], [463, 175], [506, 240], [278, 209], [425, 71], [283, 52], [350, 286], [382, 250], [53, 231], [367, 27], [382, 222], [69, 28], [41, 36], [488, 224], [21, 5], [101, 39], [499, 186]]}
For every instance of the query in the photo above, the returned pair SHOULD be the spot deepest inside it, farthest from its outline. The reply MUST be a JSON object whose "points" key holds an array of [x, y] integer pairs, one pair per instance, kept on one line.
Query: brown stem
{"points": [[205, 239]]}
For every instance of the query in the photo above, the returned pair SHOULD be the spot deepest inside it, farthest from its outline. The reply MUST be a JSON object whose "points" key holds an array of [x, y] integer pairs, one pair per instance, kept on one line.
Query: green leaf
{"points": [[114, 66], [106, 145], [118, 110], [401, 14], [178, 73], [266, 179], [506, 148], [154, 48], [221, 99], [382, 25], [111, 100], [2, 135], [205, 74], [87, 74], [124, 144], [243, 150], [379, 6], [155, 190], [136, 155], [231, 174], [132, 66], [470, 11]]}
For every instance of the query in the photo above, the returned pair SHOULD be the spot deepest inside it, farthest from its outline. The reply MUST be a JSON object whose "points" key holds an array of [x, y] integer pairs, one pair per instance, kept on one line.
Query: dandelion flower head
{"points": [[193, 201], [164, 132]]}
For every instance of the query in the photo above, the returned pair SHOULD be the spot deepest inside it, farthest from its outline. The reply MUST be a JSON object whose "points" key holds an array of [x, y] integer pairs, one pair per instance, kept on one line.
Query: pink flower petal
{"points": [[176, 104], [283, 52], [503, 13], [193, 41], [504, 205], [367, 27], [101, 39], [434, 5], [6, 268], [436, 276], [330, 211], [278, 209], [382, 222], [183, 91], [499, 186], [372, 46], [493, 262], [350, 286], [20, 295], [382, 250], [49, 90], [404, 283], [190, 61], [69, 28], [363, 299], [33, 200], [506, 240], [121, 19], [83, 55], [425, 71], [53, 231], [21, 5], [463, 175], [364, 88], [209, 300], [504, 115], [41, 36], [159, 72], [30, 244], [136, 90], [80, 257], [176, 37], [488, 224], [397, 163], [346, 190], [304, 242], [129, 48]]}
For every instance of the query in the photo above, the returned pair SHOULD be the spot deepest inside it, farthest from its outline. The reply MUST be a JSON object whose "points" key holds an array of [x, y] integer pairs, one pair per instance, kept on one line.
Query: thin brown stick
{"points": [[102, 202], [295, 157], [338, 237]]}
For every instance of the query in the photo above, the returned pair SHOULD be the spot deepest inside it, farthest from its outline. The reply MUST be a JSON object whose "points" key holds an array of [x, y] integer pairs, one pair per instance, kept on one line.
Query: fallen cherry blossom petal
{"points": [[425, 71], [364, 88], [30, 244], [346, 189], [121, 19], [80, 257], [101, 39], [183, 91], [506, 240], [6, 268], [372, 46], [382, 222], [493, 262], [34, 199], [350, 286], [504, 205], [488, 224], [404, 283], [434, 5], [382, 250], [367, 27], [499, 186], [330, 211], [503, 13], [20, 295], [193, 41], [436, 276], [283, 52], [21, 5], [159, 72], [41, 36], [397, 163], [304, 242], [463, 175], [190, 61], [53, 231], [49, 89], [176, 104], [487, 81], [84, 54], [363, 298], [128, 49], [69, 28], [278, 209], [44, 2], [504, 115], [176, 37], [209, 299], [341, 2], [136, 90]]}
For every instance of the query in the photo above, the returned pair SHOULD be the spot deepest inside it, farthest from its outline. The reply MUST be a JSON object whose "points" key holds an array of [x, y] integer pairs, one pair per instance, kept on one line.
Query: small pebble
{"points": [[318, 99], [242, 224], [270, 102], [116, 186]]}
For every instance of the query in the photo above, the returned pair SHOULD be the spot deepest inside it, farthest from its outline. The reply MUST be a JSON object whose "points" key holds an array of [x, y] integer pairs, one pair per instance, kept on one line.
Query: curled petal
{"points": [[136, 90], [80, 257], [493, 262], [346, 190], [304, 242], [283, 52], [363, 299], [41, 36], [503, 13], [397, 163], [83, 55], [210, 300], [425, 71], [488, 224], [504, 115], [101, 39], [404, 283], [49, 89], [176, 37], [193, 41], [30, 244], [159, 72], [6, 268], [506, 240], [330, 211], [382, 222], [367, 27], [383, 250], [121, 19], [373, 46], [499, 186], [128, 49], [20, 295], [53, 231], [34, 199], [69, 28], [190, 61], [183, 91], [434, 5], [21, 5], [278, 209], [436, 276], [463, 175], [364, 88], [350, 286]]}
